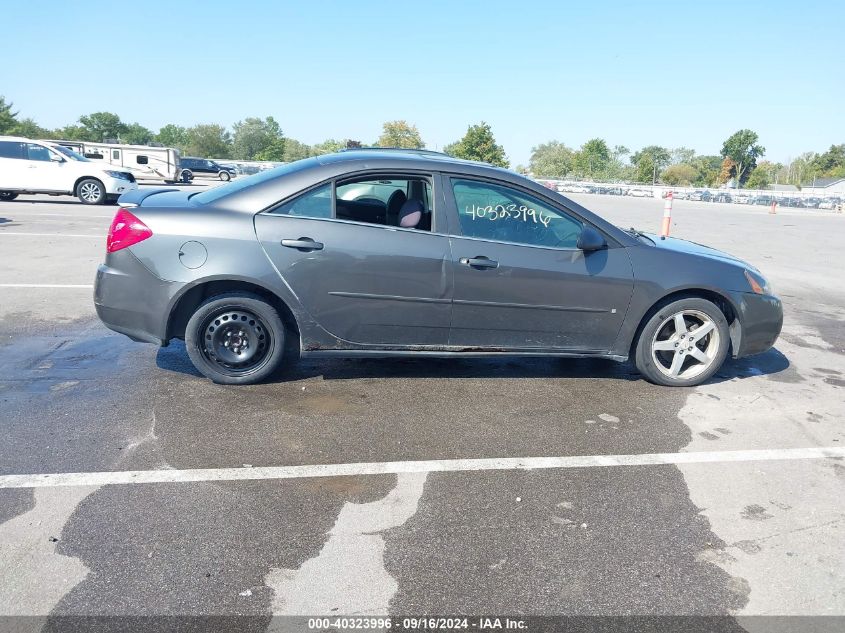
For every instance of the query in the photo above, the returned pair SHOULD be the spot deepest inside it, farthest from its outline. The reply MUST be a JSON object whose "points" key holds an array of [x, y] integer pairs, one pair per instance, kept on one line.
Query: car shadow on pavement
{"points": [[174, 358]]}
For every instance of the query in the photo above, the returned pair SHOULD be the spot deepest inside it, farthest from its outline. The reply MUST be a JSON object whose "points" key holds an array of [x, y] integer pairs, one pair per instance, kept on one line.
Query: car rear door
{"points": [[520, 281], [362, 282], [12, 165]]}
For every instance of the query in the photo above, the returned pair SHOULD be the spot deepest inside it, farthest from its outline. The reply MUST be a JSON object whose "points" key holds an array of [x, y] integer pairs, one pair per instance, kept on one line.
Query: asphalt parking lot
{"points": [[749, 526]]}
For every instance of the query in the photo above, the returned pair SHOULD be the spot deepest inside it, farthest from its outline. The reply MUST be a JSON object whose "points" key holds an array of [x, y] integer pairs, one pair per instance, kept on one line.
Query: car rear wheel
{"points": [[91, 191], [236, 339], [683, 344], [7, 196], [224, 176]]}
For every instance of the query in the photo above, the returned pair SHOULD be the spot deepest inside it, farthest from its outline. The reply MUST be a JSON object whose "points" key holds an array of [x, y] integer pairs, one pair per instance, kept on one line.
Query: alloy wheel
{"points": [[90, 192], [685, 344]]}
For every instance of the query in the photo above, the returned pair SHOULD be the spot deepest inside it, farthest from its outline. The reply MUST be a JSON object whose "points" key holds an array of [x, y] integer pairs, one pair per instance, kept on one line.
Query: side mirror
{"points": [[56, 158], [591, 240]]}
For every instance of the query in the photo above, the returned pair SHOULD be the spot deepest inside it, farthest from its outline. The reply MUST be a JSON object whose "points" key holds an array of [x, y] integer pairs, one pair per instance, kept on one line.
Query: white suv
{"points": [[28, 166]]}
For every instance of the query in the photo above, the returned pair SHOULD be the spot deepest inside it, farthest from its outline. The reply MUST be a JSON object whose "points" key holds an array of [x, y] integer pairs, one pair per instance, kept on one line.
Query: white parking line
{"points": [[46, 285], [391, 468], [50, 234]]}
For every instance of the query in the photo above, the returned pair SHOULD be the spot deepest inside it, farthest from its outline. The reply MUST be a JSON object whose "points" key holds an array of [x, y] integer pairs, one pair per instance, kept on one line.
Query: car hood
{"points": [[693, 248]]}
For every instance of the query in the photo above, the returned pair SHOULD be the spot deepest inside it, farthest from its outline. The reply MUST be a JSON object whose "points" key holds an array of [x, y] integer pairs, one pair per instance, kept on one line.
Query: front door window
{"points": [[494, 212]]}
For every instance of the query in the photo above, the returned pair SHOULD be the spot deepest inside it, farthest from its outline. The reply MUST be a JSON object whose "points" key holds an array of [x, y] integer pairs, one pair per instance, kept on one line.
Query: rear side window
{"points": [[316, 203], [142, 160], [10, 149]]}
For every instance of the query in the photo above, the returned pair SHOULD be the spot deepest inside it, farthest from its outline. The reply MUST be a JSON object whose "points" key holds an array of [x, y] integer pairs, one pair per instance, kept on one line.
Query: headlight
{"points": [[122, 175], [758, 283]]}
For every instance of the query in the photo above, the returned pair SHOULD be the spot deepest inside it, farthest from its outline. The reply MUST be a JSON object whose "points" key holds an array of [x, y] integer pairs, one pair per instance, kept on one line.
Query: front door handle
{"points": [[479, 262], [304, 244]]}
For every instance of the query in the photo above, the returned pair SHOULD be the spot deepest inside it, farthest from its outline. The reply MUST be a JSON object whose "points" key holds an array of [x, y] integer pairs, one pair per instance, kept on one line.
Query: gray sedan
{"points": [[399, 253]]}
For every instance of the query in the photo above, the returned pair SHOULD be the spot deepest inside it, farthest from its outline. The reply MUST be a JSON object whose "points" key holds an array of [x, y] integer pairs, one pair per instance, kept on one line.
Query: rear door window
{"points": [[11, 149]]}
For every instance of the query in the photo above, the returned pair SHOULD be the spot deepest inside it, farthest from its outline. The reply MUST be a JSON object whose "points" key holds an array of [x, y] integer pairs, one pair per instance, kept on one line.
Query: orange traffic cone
{"points": [[773, 208]]}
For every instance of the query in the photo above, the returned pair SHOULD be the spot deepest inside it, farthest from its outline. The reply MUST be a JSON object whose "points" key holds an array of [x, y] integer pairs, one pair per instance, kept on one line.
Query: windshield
{"points": [[207, 197], [69, 153]]}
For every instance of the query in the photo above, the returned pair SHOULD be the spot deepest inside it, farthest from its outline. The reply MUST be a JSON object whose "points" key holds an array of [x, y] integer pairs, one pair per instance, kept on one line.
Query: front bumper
{"points": [[118, 186], [760, 322], [131, 300]]}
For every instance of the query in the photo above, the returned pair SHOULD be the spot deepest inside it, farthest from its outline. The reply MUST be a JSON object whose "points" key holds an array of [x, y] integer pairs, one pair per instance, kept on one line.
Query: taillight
{"points": [[126, 230]]}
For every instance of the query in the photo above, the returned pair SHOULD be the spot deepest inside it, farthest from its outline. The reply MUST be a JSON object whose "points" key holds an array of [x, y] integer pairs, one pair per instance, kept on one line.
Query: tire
{"points": [[91, 191], [7, 196], [224, 176], [186, 176], [668, 357], [236, 339]]}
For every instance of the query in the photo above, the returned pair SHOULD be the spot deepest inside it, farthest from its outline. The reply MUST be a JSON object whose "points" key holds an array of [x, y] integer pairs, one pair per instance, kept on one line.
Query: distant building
{"points": [[824, 186]]}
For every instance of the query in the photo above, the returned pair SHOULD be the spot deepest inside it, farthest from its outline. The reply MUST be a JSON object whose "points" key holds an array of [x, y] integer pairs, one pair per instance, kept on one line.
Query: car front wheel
{"points": [[683, 344], [91, 191], [236, 339]]}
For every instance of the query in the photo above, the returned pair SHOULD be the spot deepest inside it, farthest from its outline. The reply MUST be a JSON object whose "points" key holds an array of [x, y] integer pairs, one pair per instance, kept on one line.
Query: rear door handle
{"points": [[479, 262], [303, 244]]}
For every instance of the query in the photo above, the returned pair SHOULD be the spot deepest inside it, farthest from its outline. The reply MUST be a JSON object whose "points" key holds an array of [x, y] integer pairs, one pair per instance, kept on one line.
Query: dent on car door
{"points": [[520, 280], [366, 284]]}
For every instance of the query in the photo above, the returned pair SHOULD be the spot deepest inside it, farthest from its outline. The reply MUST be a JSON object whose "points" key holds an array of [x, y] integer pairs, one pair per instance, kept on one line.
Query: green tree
{"points": [[592, 159], [550, 160], [649, 162], [254, 135], [759, 178], [679, 174], [479, 144], [99, 126], [743, 149], [707, 170], [295, 150], [274, 152], [8, 119], [71, 132], [30, 129], [136, 134], [172, 135], [329, 146], [208, 140], [682, 155], [400, 134], [831, 164]]}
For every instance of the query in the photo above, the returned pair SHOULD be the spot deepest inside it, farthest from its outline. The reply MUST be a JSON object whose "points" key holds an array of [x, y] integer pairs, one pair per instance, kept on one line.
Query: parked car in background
{"points": [[700, 195], [762, 200], [640, 193], [740, 198], [28, 166], [721, 196], [829, 203], [193, 167], [373, 253]]}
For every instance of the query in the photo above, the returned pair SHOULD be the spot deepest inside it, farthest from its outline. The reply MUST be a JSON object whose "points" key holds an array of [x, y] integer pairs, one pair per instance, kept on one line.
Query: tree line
{"points": [[256, 138]]}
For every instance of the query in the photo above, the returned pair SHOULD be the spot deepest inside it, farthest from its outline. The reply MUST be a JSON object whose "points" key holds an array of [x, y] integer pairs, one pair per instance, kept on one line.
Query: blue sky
{"points": [[634, 73]]}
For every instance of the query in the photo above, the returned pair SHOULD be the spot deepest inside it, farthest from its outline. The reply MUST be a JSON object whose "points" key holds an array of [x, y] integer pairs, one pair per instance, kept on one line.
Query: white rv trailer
{"points": [[144, 161]]}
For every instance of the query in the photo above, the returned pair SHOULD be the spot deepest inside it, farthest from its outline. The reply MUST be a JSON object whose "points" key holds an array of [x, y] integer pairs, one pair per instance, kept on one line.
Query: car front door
{"points": [[12, 165], [362, 281], [521, 283]]}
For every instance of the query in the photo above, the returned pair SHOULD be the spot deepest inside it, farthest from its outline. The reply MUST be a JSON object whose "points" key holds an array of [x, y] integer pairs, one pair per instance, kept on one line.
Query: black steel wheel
{"points": [[235, 339]]}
